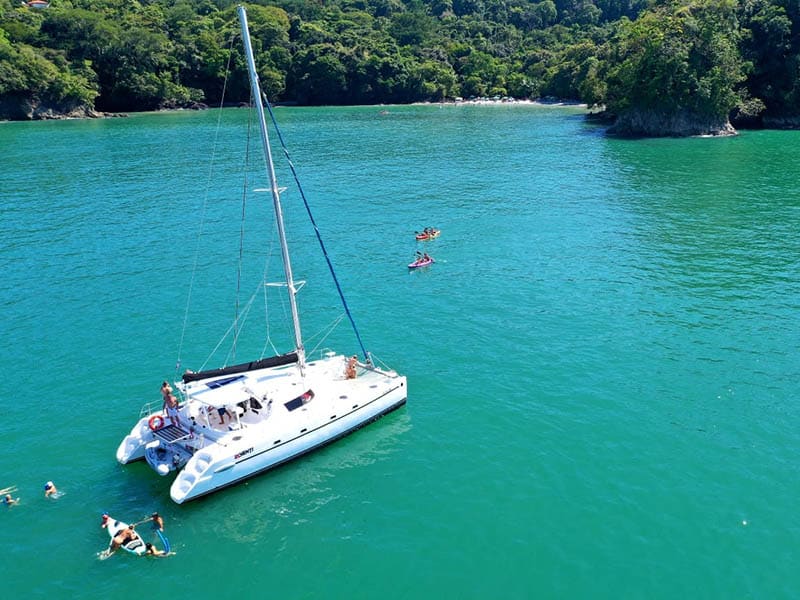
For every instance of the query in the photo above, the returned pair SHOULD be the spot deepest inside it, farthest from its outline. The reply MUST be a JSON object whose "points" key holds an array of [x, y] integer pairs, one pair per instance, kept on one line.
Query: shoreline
{"points": [[50, 115]]}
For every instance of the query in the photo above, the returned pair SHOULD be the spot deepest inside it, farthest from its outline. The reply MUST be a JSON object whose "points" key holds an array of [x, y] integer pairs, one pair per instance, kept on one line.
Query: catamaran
{"points": [[237, 421]]}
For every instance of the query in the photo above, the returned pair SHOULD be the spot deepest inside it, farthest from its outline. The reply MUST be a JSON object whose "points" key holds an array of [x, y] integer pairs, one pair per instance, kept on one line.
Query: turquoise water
{"points": [[602, 363]]}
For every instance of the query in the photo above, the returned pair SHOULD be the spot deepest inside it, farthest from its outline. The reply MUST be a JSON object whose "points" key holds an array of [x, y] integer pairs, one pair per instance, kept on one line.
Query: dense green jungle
{"points": [[710, 59]]}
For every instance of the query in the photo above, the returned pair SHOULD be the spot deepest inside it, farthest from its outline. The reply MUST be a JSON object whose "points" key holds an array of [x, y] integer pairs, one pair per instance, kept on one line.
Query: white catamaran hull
{"points": [[289, 422]]}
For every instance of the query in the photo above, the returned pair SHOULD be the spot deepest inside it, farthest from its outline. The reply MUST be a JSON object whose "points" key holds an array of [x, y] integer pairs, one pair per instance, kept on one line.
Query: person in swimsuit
{"points": [[9, 501], [350, 369], [158, 522], [171, 405], [151, 550], [222, 411], [50, 490], [123, 537]]}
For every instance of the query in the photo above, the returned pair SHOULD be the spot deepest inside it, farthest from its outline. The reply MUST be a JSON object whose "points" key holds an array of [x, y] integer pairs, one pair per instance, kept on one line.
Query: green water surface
{"points": [[602, 363]]}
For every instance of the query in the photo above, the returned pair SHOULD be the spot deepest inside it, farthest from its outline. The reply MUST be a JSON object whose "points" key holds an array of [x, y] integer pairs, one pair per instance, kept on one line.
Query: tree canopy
{"points": [[704, 57]]}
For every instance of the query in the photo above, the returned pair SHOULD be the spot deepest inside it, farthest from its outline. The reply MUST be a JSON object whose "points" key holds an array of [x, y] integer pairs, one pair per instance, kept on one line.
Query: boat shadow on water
{"points": [[262, 504], [289, 494]]}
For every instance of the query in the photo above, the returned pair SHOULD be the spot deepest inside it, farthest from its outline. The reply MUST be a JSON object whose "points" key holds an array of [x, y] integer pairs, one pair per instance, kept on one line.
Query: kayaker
{"points": [[123, 537]]}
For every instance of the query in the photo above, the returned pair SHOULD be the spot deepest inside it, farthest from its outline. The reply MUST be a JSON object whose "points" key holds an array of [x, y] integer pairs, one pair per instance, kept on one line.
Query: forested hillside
{"points": [[702, 58]]}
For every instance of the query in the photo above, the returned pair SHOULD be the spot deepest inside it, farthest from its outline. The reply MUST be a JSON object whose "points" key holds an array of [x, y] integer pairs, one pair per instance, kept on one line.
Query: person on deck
{"points": [[222, 411], [171, 406], [350, 369]]}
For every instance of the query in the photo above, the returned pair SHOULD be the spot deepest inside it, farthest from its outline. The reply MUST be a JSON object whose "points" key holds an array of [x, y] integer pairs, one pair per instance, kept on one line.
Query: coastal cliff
{"points": [[16, 107], [649, 123]]}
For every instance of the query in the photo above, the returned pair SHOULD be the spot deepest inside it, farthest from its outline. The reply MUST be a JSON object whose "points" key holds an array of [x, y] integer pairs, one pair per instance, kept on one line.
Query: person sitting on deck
{"points": [[350, 369]]}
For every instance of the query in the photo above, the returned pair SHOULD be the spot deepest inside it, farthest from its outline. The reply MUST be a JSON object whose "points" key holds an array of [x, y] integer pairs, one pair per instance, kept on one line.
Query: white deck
{"points": [[254, 440]]}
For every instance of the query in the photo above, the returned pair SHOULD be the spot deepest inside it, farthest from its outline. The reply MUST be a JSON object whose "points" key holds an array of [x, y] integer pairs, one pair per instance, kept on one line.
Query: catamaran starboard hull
{"points": [[224, 473]]}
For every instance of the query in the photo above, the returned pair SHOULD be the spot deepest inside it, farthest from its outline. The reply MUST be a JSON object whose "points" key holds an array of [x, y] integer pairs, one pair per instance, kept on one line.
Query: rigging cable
{"points": [[241, 233], [203, 211], [316, 230]]}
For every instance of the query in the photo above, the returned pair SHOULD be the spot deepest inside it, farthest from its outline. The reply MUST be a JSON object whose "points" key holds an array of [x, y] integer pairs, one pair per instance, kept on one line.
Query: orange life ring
{"points": [[156, 422]]}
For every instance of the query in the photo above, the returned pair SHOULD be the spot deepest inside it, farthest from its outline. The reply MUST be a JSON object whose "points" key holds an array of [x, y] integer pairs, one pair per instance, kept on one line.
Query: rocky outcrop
{"points": [[24, 108], [785, 122], [191, 105], [644, 123]]}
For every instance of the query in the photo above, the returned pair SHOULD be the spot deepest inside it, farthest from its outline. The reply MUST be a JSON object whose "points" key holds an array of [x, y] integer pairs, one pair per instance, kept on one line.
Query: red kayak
{"points": [[428, 235]]}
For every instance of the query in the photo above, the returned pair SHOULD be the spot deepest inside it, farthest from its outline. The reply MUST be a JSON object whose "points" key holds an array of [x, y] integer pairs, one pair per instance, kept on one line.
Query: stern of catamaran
{"points": [[132, 447]]}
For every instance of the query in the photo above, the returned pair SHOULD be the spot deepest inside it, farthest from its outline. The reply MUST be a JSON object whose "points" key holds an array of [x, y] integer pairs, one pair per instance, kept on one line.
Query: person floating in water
{"points": [[9, 501], [158, 521], [151, 550], [50, 490]]}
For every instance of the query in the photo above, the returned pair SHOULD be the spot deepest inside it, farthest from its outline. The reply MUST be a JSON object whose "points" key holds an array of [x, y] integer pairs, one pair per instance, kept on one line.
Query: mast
{"points": [[255, 91]]}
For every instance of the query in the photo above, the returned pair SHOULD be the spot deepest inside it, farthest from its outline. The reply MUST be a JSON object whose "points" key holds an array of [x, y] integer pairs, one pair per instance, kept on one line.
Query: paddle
{"points": [[164, 540]]}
